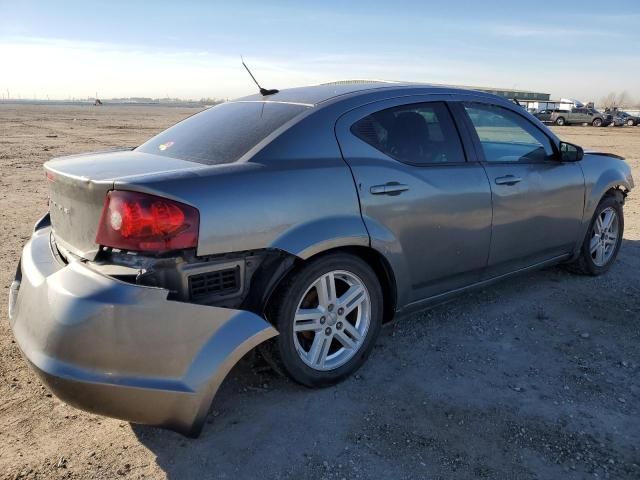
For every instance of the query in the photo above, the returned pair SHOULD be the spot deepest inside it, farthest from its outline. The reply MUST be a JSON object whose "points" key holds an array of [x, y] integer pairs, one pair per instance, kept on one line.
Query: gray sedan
{"points": [[304, 219]]}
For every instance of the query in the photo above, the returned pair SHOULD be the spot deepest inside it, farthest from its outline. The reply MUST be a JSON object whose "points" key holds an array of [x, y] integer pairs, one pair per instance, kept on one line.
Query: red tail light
{"points": [[146, 223]]}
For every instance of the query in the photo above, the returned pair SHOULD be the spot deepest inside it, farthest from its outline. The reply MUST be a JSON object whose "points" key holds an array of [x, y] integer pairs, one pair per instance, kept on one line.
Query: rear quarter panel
{"points": [[295, 194]]}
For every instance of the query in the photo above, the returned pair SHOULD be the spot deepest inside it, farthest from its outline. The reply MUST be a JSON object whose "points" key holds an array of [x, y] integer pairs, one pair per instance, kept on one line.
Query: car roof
{"points": [[316, 94]]}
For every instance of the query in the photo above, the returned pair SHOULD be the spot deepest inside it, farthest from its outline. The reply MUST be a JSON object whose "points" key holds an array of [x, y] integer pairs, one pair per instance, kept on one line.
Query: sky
{"points": [[73, 49]]}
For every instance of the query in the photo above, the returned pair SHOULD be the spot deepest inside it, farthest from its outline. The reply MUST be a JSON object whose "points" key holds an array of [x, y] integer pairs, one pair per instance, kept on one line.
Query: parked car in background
{"points": [[544, 115], [311, 215], [623, 118], [578, 116]]}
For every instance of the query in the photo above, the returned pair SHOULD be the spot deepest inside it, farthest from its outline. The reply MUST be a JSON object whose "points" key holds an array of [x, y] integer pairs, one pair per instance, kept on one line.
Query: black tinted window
{"points": [[418, 134], [506, 136], [221, 134]]}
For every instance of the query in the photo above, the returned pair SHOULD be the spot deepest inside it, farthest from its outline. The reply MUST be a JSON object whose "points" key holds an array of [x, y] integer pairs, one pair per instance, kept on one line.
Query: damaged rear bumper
{"points": [[124, 350]]}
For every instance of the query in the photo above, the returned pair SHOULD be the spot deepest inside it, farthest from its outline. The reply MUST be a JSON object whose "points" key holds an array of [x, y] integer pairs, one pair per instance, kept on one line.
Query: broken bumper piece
{"points": [[124, 350]]}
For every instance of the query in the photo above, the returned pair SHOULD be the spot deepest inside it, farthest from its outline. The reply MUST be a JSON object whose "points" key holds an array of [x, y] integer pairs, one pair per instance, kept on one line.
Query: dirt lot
{"points": [[537, 377]]}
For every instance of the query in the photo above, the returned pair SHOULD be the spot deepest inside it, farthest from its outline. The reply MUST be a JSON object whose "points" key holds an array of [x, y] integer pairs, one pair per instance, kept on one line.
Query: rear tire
{"points": [[326, 334], [595, 257], [630, 123]]}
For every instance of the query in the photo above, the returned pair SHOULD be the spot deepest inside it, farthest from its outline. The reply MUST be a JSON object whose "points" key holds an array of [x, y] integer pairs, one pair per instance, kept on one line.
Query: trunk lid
{"points": [[78, 185]]}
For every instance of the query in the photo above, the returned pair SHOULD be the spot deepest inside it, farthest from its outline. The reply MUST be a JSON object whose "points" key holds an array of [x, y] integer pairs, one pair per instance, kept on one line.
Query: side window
{"points": [[506, 136], [418, 134]]}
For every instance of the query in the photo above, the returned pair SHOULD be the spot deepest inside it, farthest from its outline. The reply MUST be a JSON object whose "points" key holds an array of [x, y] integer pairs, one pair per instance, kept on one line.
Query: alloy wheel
{"points": [[332, 320], [604, 237]]}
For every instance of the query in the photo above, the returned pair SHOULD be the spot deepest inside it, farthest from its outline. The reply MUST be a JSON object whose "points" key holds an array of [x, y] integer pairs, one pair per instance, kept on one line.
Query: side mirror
{"points": [[570, 152]]}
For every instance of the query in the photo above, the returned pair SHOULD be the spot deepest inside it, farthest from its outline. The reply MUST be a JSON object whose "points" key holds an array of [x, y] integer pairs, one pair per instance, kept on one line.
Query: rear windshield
{"points": [[221, 134]]}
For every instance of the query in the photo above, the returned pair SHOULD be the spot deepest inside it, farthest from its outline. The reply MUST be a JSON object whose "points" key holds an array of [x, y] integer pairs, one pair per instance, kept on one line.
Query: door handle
{"points": [[390, 188], [508, 180]]}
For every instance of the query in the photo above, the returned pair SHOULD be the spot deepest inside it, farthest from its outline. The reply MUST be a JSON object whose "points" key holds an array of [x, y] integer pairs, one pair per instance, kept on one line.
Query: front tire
{"points": [[560, 121], [597, 122], [603, 239], [329, 314]]}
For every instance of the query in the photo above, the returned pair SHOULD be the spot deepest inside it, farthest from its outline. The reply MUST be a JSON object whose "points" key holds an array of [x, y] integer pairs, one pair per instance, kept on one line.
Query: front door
{"points": [[427, 208], [586, 115], [537, 200]]}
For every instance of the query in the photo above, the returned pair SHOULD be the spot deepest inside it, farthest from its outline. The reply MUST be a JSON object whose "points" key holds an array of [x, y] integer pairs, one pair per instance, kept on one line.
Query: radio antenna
{"points": [[263, 91]]}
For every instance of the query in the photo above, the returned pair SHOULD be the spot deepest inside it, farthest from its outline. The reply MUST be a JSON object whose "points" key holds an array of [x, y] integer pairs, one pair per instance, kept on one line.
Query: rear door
{"points": [[537, 200], [426, 205]]}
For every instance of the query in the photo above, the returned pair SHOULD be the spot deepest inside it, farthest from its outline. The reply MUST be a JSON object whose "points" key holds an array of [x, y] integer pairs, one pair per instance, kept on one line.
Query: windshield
{"points": [[222, 134]]}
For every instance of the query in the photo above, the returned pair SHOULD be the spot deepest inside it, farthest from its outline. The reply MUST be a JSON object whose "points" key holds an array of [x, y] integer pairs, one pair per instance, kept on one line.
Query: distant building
{"points": [[562, 104]]}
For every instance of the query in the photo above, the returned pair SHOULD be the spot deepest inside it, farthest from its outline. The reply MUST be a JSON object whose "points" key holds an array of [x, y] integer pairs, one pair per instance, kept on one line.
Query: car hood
{"points": [[604, 154]]}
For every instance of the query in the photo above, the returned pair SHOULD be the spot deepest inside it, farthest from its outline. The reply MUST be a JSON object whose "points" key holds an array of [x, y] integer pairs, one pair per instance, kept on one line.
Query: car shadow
{"points": [[446, 392]]}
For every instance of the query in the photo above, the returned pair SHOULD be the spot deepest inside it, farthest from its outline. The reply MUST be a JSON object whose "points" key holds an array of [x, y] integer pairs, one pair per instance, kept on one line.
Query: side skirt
{"points": [[447, 296]]}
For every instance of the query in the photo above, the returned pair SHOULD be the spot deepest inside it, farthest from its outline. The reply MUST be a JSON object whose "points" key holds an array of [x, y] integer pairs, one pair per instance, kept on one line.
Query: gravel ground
{"points": [[536, 377]]}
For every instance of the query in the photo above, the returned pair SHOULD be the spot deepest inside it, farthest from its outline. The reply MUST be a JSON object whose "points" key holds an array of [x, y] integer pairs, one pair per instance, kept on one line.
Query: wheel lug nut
{"points": [[322, 320], [339, 325], [327, 331], [340, 311], [330, 308]]}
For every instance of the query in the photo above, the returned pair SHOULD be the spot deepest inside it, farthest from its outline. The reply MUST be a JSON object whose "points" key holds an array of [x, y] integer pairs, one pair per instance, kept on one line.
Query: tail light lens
{"points": [[146, 223]]}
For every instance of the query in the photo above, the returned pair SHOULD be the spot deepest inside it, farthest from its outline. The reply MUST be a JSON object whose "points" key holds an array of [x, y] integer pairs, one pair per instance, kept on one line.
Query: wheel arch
{"points": [[376, 260], [617, 191], [612, 181]]}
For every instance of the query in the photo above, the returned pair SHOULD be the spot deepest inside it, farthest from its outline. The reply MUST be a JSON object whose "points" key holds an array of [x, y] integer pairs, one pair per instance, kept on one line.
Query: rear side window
{"points": [[418, 134], [222, 134], [506, 136]]}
